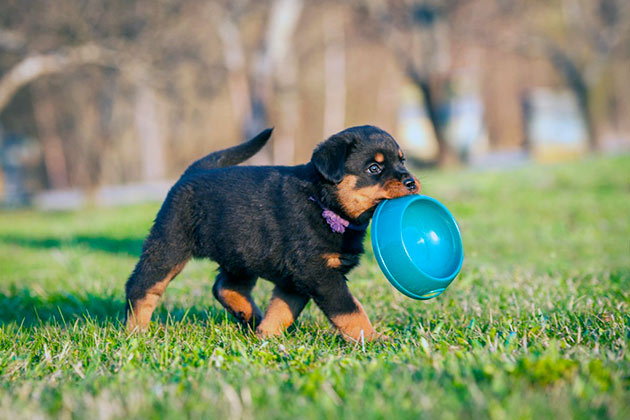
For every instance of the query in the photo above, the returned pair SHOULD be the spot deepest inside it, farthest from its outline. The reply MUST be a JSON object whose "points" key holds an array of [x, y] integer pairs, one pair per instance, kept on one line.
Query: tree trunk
{"points": [[273, 70], [238, 83], [334, 72], [283, 20], [149, 132], [431, 103], [52, 145], [575, 80]]}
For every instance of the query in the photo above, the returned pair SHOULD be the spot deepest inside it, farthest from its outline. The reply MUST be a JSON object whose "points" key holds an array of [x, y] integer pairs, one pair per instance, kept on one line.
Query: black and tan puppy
{"points": [[300, 227]]}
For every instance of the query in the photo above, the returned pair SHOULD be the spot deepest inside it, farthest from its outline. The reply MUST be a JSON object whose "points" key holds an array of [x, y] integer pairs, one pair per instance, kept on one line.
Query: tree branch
{"points": [[11, 41], [39, 65]]}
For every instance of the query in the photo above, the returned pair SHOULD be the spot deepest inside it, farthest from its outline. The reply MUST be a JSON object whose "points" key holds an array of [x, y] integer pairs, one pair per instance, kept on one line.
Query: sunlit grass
{"points": [[536, 325]]}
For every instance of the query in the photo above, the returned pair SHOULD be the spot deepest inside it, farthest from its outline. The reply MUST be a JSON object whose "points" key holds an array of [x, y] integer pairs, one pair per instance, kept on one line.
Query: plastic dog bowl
{"points": [[417, 244]]}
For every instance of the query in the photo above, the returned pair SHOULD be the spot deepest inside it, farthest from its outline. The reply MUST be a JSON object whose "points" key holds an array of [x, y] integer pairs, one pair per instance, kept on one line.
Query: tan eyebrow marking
{"points": [[400, 153], [379, 157]]}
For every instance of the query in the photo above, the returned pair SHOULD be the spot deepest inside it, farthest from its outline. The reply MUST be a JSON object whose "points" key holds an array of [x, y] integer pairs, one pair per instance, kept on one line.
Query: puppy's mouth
{"points": [[395, 188], [356, 201]]}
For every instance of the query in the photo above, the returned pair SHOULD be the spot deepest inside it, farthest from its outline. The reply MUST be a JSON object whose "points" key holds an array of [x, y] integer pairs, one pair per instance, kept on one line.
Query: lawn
{"points": [[536, 325]]}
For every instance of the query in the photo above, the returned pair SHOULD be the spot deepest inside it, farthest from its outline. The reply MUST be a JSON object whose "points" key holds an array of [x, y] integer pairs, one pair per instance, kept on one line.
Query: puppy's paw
{"points": [[262, 332], [134, 327], [362, 337], [377, 337]]}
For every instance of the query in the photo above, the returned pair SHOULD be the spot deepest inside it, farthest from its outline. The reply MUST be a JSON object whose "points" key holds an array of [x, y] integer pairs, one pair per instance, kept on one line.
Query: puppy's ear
{"points": [[330, 156]]}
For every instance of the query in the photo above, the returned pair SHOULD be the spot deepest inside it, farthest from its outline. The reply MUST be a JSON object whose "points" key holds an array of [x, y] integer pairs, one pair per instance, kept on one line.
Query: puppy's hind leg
{"points": [[158, 265], [234, 293]]}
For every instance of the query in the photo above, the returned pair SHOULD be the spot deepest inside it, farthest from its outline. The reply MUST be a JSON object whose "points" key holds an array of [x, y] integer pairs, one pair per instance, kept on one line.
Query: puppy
{"points": [[300, 227]]}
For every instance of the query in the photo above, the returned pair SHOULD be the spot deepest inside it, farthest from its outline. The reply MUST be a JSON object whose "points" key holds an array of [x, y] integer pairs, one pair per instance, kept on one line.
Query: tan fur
{"points": [[239, 303], [355, 201], [333, 259], [379, 157], [351, 325], [395, 189], [143, 308], [280, 314]]}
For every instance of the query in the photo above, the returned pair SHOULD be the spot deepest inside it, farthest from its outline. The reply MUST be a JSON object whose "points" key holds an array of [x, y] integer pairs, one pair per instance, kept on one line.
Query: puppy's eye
{"points": [[374, 169]]}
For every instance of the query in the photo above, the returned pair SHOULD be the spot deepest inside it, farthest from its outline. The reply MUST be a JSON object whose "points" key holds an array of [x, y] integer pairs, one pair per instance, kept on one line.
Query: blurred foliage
{"points": [[119, 91]]}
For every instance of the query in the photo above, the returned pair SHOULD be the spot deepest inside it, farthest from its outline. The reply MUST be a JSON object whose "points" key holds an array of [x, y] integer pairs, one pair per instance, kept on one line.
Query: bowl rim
{"points": [[409, 200]]}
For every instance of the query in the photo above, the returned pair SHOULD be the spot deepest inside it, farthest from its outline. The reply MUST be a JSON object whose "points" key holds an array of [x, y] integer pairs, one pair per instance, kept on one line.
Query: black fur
{"points": [[258, 221], [329, 158]]}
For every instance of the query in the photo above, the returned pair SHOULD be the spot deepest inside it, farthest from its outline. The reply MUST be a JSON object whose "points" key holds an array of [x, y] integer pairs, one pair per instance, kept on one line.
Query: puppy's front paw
{"points": [[383, 338], [377, 337], [264, 331], [362, 336]]}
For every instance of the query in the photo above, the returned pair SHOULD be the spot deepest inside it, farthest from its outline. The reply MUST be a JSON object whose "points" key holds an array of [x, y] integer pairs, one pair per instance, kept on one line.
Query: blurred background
{"points": [[107, 102]]}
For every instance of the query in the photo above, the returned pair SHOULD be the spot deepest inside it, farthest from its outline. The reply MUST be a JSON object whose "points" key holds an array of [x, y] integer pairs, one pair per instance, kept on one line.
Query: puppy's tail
{"points": [[233, 155]]}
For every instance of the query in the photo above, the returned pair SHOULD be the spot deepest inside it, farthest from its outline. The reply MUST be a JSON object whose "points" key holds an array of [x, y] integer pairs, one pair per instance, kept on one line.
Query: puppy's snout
{"points": [[410, 184]]}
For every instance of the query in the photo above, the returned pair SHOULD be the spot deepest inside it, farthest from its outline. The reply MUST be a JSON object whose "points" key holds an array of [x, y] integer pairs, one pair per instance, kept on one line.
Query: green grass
{"points": [[536, 325]]}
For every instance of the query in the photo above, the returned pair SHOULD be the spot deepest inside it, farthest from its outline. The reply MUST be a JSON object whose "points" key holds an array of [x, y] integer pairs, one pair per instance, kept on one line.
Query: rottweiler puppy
{"points": [[300, 227]]}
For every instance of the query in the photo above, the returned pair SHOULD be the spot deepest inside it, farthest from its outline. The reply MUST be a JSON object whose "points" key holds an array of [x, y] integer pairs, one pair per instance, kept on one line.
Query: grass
{"points": [[536, 325]]}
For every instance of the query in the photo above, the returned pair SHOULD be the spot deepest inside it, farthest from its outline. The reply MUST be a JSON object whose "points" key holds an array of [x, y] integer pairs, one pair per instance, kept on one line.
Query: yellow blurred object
{"points": [[555, 126], [555, 153]]}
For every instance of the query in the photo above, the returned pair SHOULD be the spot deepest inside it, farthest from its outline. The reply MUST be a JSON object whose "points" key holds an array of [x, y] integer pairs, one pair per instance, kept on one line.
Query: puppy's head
{"points": [[366, 166]]}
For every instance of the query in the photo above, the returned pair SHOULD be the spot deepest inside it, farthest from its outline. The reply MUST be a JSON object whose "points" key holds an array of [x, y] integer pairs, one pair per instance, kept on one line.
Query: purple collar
{"points": [[337, 223]]}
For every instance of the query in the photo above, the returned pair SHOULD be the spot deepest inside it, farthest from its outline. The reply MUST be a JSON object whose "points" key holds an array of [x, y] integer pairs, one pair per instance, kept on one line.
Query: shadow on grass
{"points": [[128, 246], [20, 306]]}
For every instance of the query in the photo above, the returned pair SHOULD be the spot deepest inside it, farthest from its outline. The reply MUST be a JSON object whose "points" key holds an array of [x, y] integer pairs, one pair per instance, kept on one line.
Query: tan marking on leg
{"points": [[379, 157], [333, 259], [282, 311], [143, 308], [352, 324], [240, 304], [277, 318], [235, 296]]}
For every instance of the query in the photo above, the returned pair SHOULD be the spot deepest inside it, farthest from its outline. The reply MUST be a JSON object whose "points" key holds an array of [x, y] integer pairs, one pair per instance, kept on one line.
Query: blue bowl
{"points": [[417, 244]]}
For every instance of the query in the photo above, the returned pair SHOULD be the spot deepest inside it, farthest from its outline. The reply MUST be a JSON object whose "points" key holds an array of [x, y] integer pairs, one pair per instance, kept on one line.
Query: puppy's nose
{"points": [[410, 184]]}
